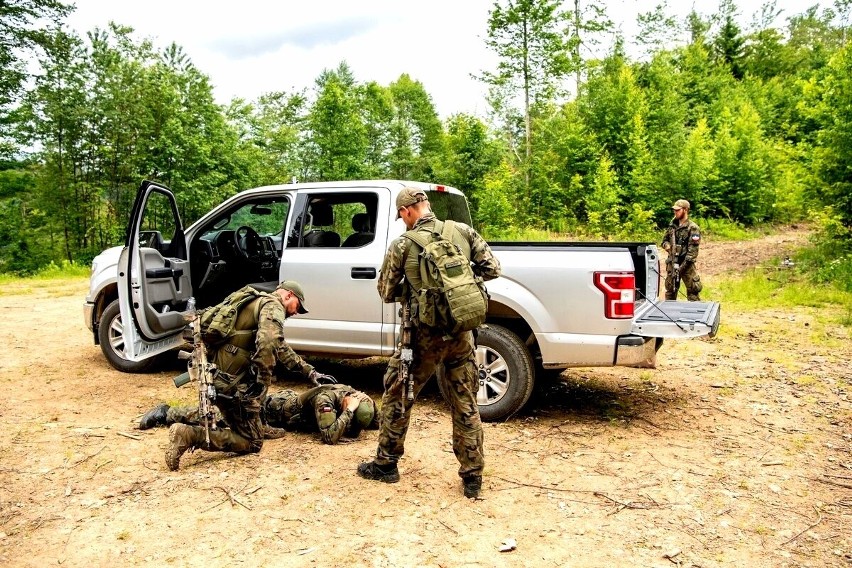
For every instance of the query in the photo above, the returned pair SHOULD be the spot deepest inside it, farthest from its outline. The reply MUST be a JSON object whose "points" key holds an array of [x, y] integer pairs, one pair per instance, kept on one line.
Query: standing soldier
{"points": [[400, 278], [246, 363], [687, 237]]}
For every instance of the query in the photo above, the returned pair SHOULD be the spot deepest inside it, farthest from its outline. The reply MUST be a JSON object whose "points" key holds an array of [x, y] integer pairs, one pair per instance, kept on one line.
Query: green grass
{"points": [[51, 272], [767, 287]]}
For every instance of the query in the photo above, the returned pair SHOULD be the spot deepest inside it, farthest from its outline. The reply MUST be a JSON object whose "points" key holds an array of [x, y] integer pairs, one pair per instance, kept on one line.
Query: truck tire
{"points": [[506, 373], [111, 338]]}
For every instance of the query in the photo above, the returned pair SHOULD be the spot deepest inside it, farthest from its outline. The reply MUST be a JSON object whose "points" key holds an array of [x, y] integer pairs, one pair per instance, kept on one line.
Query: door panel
{"points": [[336, 255], [154, 283]]}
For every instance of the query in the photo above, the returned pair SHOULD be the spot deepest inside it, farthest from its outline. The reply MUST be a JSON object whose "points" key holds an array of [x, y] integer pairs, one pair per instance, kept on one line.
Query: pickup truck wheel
{"points": [[111, 338], [506, 375]]}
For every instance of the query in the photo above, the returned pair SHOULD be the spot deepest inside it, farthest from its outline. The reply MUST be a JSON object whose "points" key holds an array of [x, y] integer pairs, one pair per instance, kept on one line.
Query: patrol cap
{"points": [[681, 204], [296, 288], [409, 196]]}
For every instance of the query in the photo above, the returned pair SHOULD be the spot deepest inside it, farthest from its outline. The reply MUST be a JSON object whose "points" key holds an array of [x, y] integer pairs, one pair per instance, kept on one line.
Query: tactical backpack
{"points": [[218, 322], [452, 299]]}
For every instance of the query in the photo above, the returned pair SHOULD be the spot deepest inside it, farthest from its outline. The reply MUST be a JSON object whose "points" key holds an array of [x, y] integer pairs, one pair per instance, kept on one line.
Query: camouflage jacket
{"points": [[687, 239], [271, 347], [322, 411], [485, 264]]}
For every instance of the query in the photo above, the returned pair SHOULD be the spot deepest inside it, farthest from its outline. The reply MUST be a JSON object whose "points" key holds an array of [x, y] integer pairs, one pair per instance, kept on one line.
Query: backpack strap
{"points": [[447, 231], [416, 235]]}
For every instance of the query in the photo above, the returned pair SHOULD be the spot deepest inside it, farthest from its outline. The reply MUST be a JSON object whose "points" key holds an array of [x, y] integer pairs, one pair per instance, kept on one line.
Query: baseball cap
{"points": [[681, 204], [296, 288], [409, 196]]}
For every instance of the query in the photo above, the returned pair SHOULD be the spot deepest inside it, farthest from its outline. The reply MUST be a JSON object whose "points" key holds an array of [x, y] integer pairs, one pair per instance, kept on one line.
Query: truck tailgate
{"points": [[670, 318]]}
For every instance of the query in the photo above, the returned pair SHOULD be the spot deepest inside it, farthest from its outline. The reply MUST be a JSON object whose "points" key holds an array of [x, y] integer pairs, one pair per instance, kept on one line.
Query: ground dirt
{"points": [[735, 451]]}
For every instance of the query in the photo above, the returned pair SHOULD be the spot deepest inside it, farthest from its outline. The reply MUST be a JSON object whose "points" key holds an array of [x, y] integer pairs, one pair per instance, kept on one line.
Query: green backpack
{"points": [[452, 299], [218, 322]]}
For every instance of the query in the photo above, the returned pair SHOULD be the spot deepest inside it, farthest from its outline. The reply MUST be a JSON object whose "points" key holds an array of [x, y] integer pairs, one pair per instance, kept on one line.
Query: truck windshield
{"points": [[450, 206]]}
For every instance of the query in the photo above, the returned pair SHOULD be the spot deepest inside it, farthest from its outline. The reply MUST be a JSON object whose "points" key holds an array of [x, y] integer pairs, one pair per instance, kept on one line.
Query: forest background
{"points": [[750, 121]]}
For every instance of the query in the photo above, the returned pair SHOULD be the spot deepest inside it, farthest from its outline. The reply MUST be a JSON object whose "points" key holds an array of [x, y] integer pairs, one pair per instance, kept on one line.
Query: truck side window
{"points": [[338, 220]]}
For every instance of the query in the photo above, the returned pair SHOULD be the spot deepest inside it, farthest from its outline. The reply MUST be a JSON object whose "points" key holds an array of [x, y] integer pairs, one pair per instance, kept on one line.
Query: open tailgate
{"points": [[671, 318]]}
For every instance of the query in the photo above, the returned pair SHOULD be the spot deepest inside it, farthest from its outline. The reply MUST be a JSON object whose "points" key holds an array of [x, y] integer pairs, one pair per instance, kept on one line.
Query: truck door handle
{"points": [[363, 273]]}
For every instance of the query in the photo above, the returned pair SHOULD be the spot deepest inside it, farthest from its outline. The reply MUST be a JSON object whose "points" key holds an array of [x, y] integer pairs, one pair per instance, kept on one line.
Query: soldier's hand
{"points": [[351, 403], [318, 379]]}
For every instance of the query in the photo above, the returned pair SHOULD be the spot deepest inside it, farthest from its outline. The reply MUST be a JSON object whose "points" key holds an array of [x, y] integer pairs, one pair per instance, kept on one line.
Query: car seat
{"points": [[321, 215], [363, 231]]}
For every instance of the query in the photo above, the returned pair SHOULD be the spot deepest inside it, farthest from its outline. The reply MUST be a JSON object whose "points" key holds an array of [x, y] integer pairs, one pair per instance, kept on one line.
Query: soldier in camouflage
{"points": [[246, 364], [335, 411], [687, 237], [431, 347]]}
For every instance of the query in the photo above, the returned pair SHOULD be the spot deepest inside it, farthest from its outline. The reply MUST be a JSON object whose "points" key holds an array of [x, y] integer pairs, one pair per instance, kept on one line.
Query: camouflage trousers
{"points": [[462, 383], [690, 279], [238, 419]]}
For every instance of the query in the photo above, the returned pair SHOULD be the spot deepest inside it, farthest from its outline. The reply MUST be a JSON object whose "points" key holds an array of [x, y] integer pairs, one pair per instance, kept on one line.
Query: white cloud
{"points": [[250, 47]]}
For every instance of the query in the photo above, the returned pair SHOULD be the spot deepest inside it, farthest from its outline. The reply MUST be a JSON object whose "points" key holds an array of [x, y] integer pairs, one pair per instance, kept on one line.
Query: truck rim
{"points": [[116, 336], [494, 376]]}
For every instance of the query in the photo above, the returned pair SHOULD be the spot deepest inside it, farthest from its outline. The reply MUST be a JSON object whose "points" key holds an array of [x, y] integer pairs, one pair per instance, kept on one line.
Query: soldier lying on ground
{"points": [[335, 411]]}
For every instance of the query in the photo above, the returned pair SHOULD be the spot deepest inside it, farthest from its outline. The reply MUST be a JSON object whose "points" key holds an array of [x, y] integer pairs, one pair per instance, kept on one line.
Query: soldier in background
{"points": [[335, 411], [687, 237], [431, 347]]}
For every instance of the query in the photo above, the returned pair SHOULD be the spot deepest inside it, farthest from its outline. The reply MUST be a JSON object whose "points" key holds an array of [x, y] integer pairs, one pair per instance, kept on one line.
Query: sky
{"points": [[252, 47]]}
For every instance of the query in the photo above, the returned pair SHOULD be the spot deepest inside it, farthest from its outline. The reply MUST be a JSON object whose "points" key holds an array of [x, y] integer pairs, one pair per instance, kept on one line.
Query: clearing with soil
{"points": [[735, 451]]}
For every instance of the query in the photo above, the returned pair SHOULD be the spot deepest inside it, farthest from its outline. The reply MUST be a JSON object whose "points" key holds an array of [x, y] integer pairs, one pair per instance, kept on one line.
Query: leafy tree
{"points": [[336, 145], [416, 131], [833, 154], [729, 43], [587, 20], [24, 28], [528, 37], [470, 155]]}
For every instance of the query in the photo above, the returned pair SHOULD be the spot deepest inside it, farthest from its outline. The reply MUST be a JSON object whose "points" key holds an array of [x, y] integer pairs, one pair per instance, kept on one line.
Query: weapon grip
{"points": [[182, 379]]}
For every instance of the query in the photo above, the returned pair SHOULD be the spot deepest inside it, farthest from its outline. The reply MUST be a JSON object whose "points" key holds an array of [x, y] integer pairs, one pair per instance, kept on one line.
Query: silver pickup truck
{"points": [[557, 305]]}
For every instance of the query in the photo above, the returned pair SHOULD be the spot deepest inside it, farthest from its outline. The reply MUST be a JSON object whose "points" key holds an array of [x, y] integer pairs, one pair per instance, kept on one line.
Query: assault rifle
{"points": [[675, 258], [406, 353], [200, 370]]}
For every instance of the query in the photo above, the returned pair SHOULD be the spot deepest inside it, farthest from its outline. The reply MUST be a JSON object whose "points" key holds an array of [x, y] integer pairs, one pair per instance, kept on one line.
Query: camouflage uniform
{"points": [[318, 409], [247, 365], [687, 239], [432, 347], [321, 410]]}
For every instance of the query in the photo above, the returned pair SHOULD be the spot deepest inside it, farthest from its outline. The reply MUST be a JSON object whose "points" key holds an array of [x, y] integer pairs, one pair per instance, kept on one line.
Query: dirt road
{"points": [[736, 451]]}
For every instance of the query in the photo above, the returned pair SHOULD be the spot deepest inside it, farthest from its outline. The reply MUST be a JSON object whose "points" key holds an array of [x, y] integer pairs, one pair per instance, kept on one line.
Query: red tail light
{"points": [[619, 290]]}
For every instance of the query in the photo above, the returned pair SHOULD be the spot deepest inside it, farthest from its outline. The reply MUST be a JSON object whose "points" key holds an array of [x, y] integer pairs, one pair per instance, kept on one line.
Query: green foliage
{"points": [[829, 260], [751, 127]]}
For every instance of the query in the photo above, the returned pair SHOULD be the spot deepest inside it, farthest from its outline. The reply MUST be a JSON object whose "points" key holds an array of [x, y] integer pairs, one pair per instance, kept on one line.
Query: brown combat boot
{"points": [[181, 438]]}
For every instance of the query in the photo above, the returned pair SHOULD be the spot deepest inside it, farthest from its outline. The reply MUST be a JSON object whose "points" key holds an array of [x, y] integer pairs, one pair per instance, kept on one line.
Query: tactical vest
{"points": [[234, 355]]}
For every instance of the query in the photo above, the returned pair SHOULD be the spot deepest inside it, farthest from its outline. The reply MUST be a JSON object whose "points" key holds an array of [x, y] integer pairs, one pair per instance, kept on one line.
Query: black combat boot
{"points": [[154, 417], [472, 486], [384, 473]]}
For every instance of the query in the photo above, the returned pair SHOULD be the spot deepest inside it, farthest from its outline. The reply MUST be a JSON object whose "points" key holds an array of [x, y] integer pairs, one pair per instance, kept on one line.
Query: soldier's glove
{"points": [[318, 379]]}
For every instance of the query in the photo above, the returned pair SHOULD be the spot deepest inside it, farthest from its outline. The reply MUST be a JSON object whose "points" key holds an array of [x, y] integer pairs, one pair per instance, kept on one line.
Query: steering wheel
{"points": [[246, 241]]}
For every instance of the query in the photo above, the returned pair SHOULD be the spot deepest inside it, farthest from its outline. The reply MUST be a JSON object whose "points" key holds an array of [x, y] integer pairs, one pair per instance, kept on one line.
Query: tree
{"points": [[586, 21], [416, 132], [24, 26], [337, 144], [728, 43], [528, 37]]}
